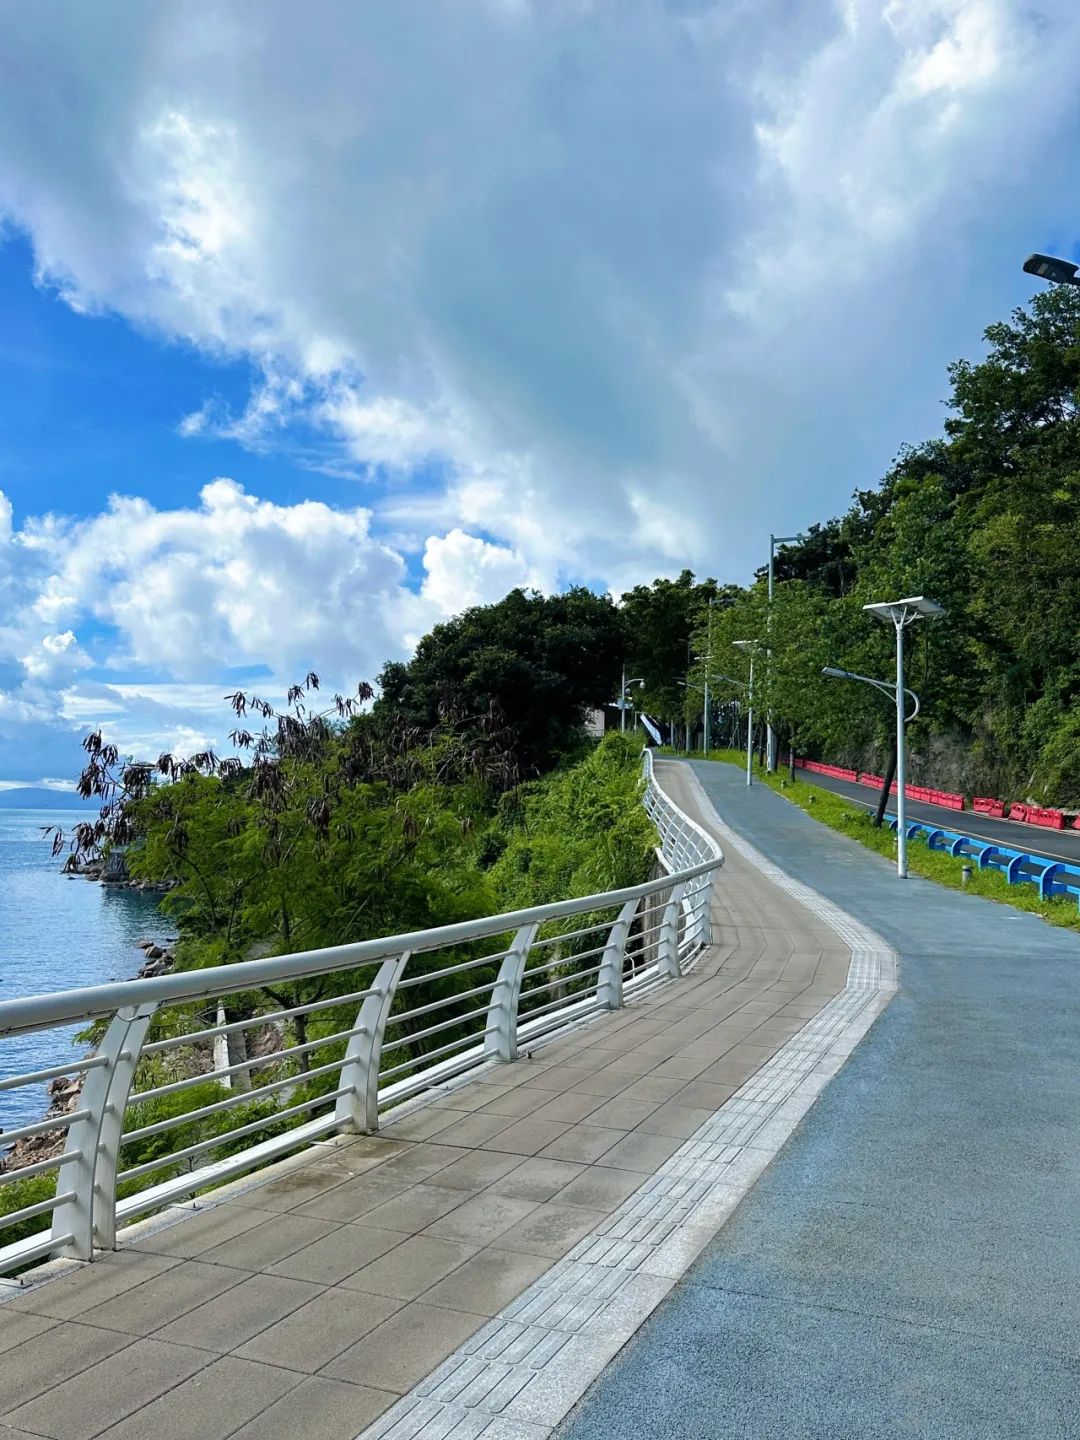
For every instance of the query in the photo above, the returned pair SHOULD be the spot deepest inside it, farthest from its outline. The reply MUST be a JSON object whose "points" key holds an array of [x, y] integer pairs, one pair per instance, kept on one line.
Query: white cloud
{"points": [[463, 570], [634, 284]]}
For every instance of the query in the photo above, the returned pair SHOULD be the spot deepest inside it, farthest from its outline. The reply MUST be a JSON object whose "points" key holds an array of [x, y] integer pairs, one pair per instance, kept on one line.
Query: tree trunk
{"points": [[883, 798]]}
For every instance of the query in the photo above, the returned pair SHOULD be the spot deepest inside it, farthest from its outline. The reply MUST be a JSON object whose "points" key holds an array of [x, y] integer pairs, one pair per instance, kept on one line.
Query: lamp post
{"points": [[770, 742], [751, 647], [624, 704], [886, 688], [901, 614], [1048, 267]]}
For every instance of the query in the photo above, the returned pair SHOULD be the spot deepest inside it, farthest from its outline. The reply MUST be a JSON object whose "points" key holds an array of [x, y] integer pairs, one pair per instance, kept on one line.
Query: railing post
{"points": [[609, 979], [359, 1108], [668, 957], [91, 1216], [500, 1029]]}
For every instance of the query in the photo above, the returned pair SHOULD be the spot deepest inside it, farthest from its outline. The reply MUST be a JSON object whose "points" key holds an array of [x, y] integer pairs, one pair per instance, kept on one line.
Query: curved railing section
{"points": [[197, 1077]]}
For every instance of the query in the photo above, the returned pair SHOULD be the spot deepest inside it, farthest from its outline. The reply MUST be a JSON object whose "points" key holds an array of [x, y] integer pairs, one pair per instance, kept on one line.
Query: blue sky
{"points": [[320, 325]]}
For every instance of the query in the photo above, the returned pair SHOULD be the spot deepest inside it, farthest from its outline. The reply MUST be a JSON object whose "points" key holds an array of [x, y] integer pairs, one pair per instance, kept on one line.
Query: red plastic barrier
{"points": [[948, 799], [1048, 819], [836, 771], [875, 780], [983, 805], [1018, 811]]}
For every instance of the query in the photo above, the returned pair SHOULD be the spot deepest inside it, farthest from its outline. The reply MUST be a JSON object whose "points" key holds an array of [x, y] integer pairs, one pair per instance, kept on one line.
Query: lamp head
{"points": [[1049, 267]]}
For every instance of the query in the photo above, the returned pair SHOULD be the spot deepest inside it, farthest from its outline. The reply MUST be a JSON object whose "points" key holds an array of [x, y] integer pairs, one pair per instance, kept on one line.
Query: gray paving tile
{"points": [[537, 1179], [199, 1230], [526, 1137], [69, 1296], [17, 1325], [299, 1183], [154, 1303], [312, 1336], [597, 1188], [405, 1348], [422, 1124], [640, 1152], [353, 1200], [512, 1103], [421, 1161], [584, 1143], [675, 1120], [225, 1322], [570, 1107], [481, 1218], [412, 1268], [84, 1405], [487, 1282], [478, 1170], [551, 1229], [39, 1362], [703, 1095], [474, 1129], [264, 1245], [319, 1409], [416, 1208], [209, 1405], [338, 1254], [622, 1113]]}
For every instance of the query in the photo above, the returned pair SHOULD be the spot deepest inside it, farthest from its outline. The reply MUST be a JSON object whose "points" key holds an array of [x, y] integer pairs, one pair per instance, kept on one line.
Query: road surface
{"points": [[1055, 844]]}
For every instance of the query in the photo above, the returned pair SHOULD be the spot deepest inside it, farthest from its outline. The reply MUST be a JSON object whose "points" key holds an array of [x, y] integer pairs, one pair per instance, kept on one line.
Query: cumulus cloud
{"points": [[631, 283]]}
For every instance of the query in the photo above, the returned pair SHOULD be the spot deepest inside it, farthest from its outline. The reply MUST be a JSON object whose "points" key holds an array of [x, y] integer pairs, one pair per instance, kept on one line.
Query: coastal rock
{"points": [[153, 952]]}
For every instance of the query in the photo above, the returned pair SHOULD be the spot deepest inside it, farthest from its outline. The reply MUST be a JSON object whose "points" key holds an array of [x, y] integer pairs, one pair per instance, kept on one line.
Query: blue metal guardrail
{"points": [[1020, 867]]}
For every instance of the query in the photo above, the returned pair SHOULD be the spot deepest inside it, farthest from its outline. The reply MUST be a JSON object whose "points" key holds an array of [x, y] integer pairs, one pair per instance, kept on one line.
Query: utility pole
{"points": [[770, 744], [708, 671]]}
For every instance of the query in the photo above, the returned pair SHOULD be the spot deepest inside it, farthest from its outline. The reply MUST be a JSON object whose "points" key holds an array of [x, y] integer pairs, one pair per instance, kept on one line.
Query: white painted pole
{"points": [[901, 758], [770, 735], [750, 727]]}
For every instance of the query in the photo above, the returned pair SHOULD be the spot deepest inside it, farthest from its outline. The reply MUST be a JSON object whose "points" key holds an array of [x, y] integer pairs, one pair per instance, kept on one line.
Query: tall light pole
{"points": [[901, 614], [624, 704], [751, 648], [770, 743]]}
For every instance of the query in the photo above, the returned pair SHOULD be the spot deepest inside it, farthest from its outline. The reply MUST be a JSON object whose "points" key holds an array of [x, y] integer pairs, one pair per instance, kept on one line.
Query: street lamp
{"points": [[1048, 267], [770, 743], [901, 614], [751, 647], [885, 686], [624, 703]]}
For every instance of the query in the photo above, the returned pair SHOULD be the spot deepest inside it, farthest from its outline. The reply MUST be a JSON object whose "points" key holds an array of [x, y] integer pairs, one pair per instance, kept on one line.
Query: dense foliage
{"points": [[541, 662]]}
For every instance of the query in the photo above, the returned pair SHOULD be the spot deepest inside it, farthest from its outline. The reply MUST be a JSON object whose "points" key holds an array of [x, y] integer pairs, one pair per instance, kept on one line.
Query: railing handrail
{"points": [[646, 937], [60, 1006]]}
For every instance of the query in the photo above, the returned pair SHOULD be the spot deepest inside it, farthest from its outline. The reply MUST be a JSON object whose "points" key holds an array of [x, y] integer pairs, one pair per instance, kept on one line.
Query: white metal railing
{"points": [[395, 1017]]}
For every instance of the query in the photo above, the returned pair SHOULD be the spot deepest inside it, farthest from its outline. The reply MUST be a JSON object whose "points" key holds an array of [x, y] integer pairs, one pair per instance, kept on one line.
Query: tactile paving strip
{"points": [[521, 1373]]}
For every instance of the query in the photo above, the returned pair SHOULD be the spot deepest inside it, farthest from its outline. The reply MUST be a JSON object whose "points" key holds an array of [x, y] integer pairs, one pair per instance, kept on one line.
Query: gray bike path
{"points": [[910, 1263]]}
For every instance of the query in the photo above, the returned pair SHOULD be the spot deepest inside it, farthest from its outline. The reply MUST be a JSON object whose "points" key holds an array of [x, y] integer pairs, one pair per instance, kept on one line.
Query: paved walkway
{"points": [[909, 1265], [319, 1296]]}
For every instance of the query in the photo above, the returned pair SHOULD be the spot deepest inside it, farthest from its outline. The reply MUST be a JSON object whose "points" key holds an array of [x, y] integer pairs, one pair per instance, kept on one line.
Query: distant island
{"points": [[38, 797]]}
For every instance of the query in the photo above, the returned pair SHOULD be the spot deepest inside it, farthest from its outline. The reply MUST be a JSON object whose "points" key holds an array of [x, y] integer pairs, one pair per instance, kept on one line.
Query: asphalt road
{"points": [[1055, 844], [909, 1264]]}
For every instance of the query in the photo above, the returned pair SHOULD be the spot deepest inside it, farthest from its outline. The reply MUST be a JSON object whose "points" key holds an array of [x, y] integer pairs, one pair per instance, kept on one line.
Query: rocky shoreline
{"points": [[113, 871]]}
